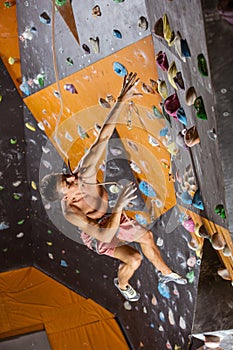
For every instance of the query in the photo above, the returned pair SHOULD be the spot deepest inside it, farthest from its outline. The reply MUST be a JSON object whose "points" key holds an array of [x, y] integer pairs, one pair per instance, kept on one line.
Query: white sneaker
{"points": [[172, 277], [129, 294]]}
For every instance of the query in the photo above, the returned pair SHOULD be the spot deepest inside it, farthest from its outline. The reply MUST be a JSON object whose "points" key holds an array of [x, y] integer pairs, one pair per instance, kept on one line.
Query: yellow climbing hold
{"points": [[30, 127], [49, 243], [11, 60], [34, 186]]}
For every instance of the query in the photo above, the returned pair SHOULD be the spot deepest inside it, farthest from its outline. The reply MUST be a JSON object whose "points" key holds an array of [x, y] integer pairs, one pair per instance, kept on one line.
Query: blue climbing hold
{"points": [[186, 198], [181, 116], [164, 290], [63, 263], [147, 189], [197, 201], [119, 69], [117, 34], [140, 219], [25, 88], [163, 132], [185, 52]]}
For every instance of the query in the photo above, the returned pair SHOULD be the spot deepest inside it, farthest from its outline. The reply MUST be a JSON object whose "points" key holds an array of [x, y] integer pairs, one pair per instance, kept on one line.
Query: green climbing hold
{"points": [[200, 108], [21, 222], [190, 276], [157, 113], [60, 2], [219, 209], [69, 61], [49, 231], [118, 1], [0, 98], [1, 188], [13, 141], [202, 65], [17, 196]]}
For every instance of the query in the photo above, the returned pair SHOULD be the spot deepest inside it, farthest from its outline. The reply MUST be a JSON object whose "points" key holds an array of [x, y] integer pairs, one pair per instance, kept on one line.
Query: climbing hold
{"points": [[135, 168], [1, 188], [152, 141], [143, 23], [226, 250], [141, 219], [190, 96], [95, 44], [44, 18], [63, 263], [69, 61], [157, 113], [188, 224], [70, 88], [118, 1], [103, 103], [219, 209], [197, 201], [34, 186], [162, 88], [39, 80], [57, 94], [185, 51], [96, 11], [82, 133], [20, 235], [212, 134], [13, 140], [191, 137], [171, 74], [86, 49], [177, 45], [60, 2], [217, 241], [30, 126], [0, 98], [117, 34], [162, 61], [200, 108], [191, 261], [147, 89], [25, 88], [21, 222], [202, 65], [168, 34], [8, 4], [163, 132], [119, 69], [17, 196], [185, 197], [12, 60], [201, 231], [165, 292], [127, 306], [147, 189], [158, 28], [171, 317], [224, 273], [190, 276], [172, 104], [69, 137], [181, 116], [178, 79]]}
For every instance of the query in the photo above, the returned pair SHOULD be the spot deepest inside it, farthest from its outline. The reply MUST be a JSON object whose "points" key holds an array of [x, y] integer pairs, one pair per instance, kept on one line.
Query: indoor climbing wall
{"points": [[73, 60]]}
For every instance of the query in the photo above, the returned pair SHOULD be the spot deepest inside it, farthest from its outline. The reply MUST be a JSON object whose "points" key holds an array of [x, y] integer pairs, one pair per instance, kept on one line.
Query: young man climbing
{"points": [[84, 203]]}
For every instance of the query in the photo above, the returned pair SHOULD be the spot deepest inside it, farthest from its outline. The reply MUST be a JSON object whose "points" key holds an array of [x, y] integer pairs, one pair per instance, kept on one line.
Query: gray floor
{"points": [[32, 341]]}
